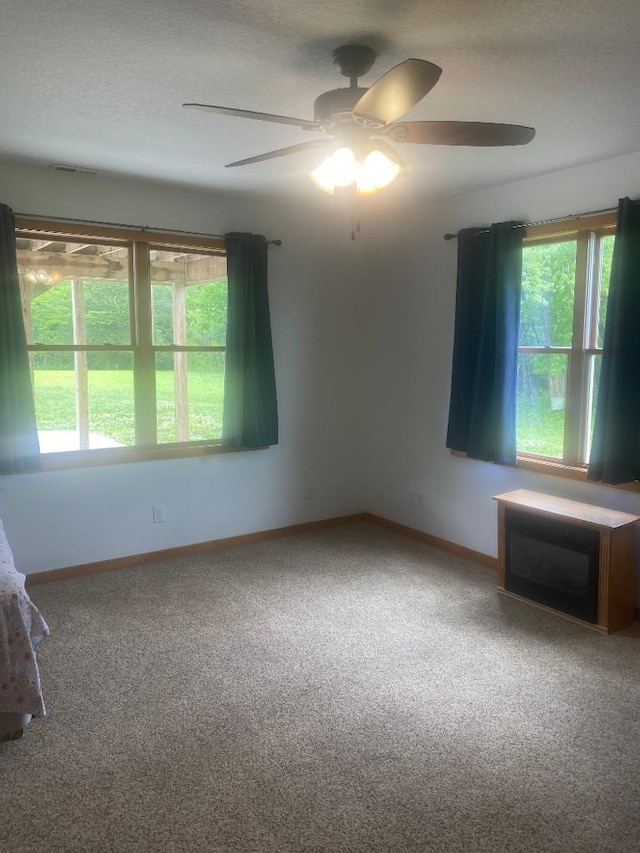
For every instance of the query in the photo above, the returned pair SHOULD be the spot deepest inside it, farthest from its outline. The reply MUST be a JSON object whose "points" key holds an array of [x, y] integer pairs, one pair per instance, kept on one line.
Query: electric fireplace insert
{"points": [[552, 562], [575, 559]]}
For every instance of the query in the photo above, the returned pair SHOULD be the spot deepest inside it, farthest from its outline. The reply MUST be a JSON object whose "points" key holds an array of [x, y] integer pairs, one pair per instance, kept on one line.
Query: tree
{"points": [[107, 317], [546, 315]]}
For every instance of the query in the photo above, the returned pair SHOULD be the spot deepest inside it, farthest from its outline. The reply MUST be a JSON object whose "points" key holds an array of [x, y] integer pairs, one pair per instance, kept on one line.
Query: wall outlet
{"points": [[157, 513], [416, 499]]}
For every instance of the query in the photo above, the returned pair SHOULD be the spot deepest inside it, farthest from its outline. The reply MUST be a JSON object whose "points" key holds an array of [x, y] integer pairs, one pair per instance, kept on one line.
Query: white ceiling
{"points": [[100, 84]]}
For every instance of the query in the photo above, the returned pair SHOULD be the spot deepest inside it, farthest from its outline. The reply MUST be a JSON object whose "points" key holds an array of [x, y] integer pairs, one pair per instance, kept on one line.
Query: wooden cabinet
{"points": [[609, 568]]}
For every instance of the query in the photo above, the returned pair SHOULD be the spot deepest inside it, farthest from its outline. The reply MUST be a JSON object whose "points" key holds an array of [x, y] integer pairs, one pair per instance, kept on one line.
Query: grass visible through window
{"points": [[111, 403]]}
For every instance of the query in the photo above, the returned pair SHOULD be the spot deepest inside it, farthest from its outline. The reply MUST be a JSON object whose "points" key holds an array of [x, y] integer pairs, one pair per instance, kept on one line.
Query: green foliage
{"points": [[206, 307], [206, 319], [51, 321], [548, 283], [107, 312], [546, 320], [108, 321]]}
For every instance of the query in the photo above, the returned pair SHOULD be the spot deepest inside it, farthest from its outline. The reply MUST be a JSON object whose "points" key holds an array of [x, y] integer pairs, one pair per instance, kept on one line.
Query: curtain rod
{"points": [[546, 221], [125, 225]]}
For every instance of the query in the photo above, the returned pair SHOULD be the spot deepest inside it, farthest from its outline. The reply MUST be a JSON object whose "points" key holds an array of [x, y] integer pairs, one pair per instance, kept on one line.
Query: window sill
{"points": [[122, 455], [552, 466], [559, 469]]}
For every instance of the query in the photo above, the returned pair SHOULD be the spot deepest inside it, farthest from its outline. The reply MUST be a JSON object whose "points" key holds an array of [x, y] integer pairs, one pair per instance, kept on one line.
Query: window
{"points": [[126, 336], [565, 283]]}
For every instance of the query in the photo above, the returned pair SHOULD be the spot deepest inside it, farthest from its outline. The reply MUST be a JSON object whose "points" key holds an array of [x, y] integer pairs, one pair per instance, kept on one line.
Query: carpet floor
{"points": [[341, 690]]}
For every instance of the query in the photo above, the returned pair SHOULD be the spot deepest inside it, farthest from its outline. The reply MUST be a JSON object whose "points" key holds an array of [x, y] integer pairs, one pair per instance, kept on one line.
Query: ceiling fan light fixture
{"points": [[369, 173], [377, 172], [337, 170]]}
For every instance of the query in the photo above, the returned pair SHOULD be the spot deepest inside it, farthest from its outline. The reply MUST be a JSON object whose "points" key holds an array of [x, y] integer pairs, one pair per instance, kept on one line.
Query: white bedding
{"points": [[22, 629]]}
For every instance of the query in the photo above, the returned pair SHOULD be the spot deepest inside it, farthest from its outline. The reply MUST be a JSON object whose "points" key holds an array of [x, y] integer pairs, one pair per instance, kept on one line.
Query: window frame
{"points": [[587, 232], [140, 242]]}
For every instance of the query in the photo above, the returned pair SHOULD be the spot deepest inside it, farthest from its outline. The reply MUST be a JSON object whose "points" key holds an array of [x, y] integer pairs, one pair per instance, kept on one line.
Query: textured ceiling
{"points": [[100, 84]]}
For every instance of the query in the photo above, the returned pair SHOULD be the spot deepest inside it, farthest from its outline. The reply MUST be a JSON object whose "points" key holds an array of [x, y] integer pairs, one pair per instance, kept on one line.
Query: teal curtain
{"points": [[615, 449], [250, 414], [19, 449], [482, 408]]}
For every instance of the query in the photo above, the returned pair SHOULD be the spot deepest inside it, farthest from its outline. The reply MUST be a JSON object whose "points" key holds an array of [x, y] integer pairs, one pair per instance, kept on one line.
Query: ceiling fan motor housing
{"points": [[354, 60], [331, 104]]}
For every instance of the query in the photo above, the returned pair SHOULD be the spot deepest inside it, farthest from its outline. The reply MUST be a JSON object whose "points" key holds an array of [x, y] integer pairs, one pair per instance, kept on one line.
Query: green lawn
{"points": [[111, 403], [540, 428]]}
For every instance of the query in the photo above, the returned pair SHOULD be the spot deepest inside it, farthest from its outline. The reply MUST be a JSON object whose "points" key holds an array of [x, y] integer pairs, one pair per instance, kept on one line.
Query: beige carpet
{"points": [[343, 690]]}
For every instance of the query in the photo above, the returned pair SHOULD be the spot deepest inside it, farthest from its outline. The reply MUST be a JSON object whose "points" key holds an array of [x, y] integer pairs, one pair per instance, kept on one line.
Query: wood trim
{"points": [[588, 515], [621, 594], [123, 455], [568, 228], [502, 557], [554, 467], [163, 239], [551, 466], [443, 544], [599, 628], [536, 350], [133, 560], [540, 464], [557, 468], [604, 577], [148, 557], [575, 422], [144, 359]]}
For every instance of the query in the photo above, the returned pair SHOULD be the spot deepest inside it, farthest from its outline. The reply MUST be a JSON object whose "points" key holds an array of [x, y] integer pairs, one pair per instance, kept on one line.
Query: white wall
{"points": [[415, 317], [56, 519], [363, 337]]}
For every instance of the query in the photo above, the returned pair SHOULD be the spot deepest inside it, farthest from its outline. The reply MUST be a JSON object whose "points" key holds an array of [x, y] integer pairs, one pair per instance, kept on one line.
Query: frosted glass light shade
{"points": [[343, 168], [376, 173]]}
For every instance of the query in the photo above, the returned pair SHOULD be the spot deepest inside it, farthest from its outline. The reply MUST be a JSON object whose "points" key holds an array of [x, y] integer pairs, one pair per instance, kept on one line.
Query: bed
{"points": [[22, 629]]}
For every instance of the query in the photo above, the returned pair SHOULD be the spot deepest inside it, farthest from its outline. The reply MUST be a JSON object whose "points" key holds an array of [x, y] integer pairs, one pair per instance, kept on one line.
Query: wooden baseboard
{"points": [[461, 551], [436, 541], [147, 557], [261, 535]]}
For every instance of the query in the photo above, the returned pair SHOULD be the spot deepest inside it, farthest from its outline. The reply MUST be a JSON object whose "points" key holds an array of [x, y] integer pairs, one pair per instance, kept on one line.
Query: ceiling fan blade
{"points": [[460, 133], [398, 90], [232, 111], [282, 152]]}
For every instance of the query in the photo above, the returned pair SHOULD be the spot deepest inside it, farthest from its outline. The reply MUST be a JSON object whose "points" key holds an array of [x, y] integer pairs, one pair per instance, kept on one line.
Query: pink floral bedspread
{"points": [[22, 629]]}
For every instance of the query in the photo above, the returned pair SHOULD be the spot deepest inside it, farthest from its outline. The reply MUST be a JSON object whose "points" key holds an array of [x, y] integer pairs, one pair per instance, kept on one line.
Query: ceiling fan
{"points": [[358, 124]]}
